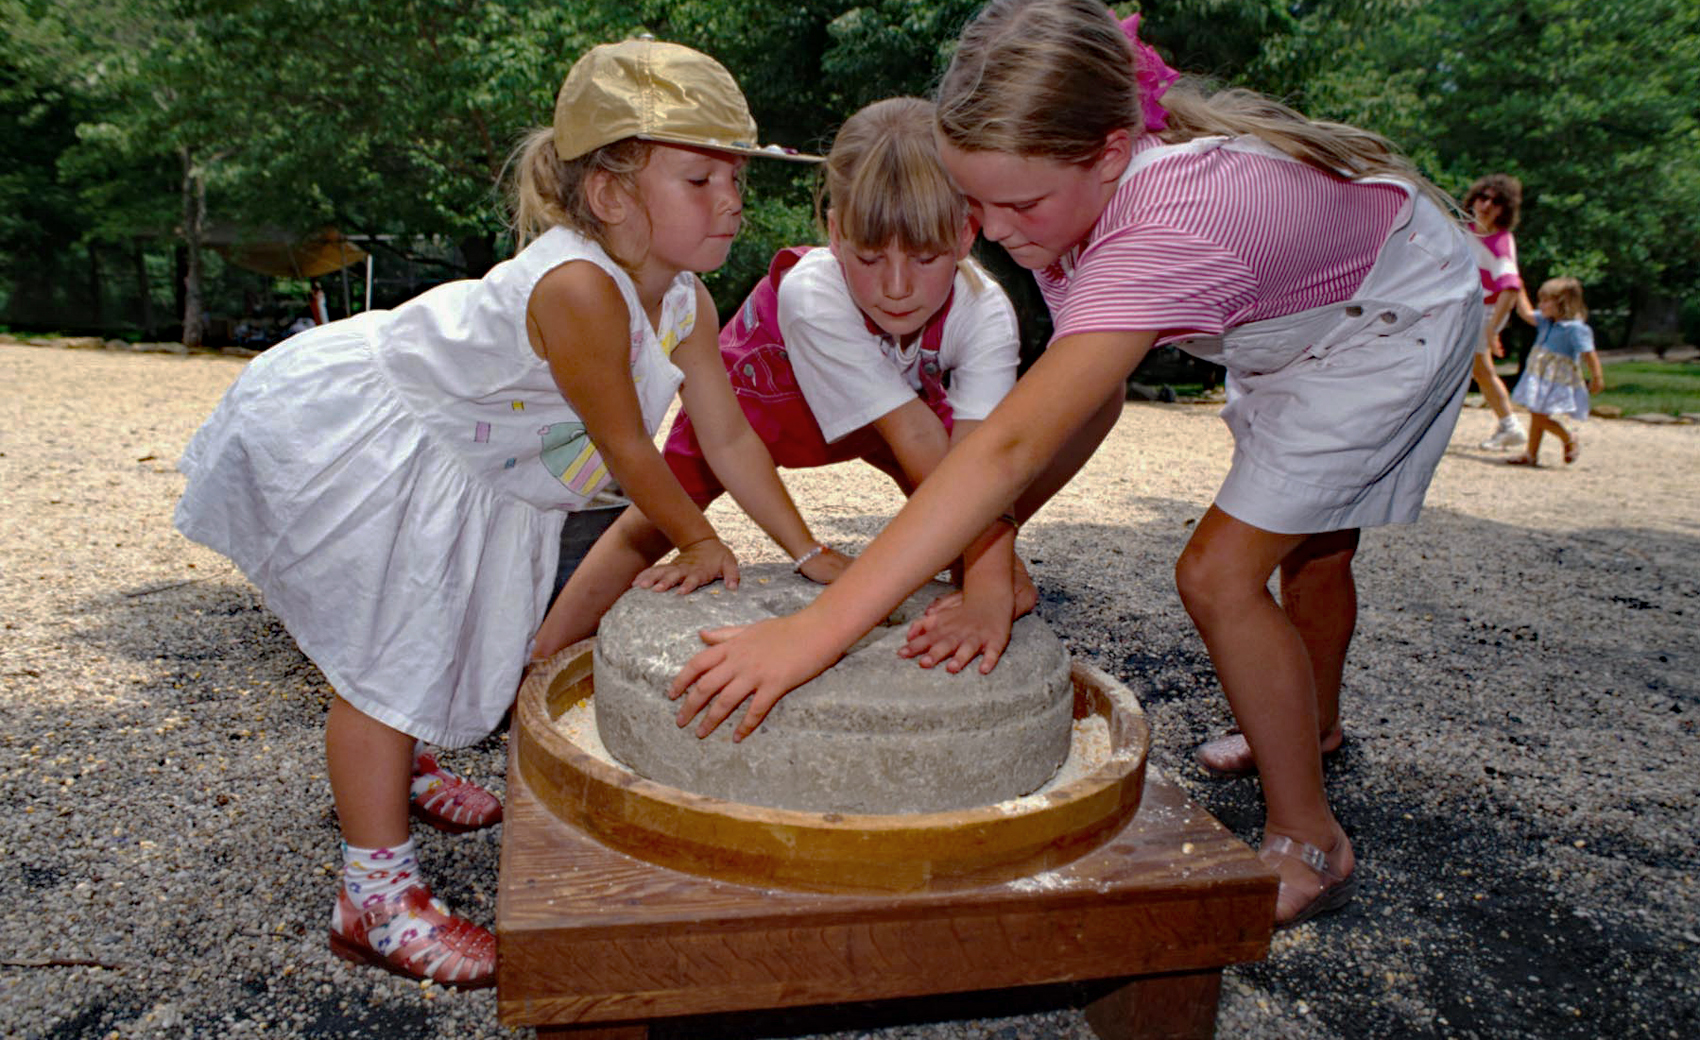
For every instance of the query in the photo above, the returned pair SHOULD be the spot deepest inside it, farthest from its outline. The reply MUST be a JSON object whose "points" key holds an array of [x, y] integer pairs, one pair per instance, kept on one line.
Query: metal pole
{"points": [[342, 255]]}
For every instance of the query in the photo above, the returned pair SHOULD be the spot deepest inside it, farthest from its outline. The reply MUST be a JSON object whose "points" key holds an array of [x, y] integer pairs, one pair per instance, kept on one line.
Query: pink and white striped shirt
{"points": [[1496, 258], [1216, 233]]}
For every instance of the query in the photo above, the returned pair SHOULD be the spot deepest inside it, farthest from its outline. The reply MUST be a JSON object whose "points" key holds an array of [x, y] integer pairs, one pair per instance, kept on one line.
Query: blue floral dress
{"points": [[1553, 382]]}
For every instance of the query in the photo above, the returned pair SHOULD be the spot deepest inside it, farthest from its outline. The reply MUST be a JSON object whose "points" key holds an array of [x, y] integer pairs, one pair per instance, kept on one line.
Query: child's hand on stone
{"points": [[759, 663], [696, 565], [825, 568], [958, 628]]}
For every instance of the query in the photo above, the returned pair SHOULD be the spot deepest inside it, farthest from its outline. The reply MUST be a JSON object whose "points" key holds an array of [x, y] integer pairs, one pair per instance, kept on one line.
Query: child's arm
{"points": [[915, 436], [976, 623], [736, 453], [1596, 374], [1525, 309], [578, 322], [1047, 419]]}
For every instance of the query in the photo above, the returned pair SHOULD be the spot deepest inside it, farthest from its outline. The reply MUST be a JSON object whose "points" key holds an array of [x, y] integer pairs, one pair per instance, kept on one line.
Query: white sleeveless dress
{"points": [[395, 485]]}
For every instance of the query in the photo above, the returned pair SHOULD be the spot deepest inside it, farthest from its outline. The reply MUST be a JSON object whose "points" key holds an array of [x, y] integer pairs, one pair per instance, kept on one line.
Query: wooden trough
{"points": [[623, 902], [845, 852]]}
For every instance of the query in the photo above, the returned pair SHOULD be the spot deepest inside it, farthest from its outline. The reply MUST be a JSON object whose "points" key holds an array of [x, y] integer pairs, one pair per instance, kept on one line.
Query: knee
{"points": [[1206, 580]]}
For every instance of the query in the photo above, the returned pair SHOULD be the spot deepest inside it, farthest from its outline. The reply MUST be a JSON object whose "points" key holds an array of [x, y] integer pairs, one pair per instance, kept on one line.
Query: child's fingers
{"points": [[695, 669], [760, 705], [946, 601], [919, 639], [716, 636], [723, 703], [698, 696]]}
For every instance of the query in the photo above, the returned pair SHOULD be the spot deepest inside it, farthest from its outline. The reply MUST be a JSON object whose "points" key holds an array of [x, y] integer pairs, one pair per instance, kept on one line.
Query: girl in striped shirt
{"points": [[1308, 258]]}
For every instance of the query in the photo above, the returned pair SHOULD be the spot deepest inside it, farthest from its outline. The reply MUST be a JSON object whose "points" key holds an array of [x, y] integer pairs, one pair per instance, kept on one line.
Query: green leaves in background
{"points": [[396, 118]]}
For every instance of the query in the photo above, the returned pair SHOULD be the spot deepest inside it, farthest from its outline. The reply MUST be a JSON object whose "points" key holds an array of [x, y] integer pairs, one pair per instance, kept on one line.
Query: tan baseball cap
{"points": [[658, 92]]}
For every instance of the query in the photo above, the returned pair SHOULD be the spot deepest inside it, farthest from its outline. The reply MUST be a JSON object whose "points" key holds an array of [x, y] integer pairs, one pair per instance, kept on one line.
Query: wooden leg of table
{"points": [[624, 1032], [1181, 1006]]}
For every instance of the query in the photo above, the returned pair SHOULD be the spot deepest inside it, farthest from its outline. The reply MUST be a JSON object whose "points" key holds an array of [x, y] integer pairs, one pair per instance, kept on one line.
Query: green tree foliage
{"points": [[1592, 105], [119, 117]]}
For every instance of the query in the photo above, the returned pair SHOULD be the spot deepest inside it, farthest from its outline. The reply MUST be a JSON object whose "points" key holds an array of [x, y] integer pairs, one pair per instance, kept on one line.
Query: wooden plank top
{"points": [[588, 934]]}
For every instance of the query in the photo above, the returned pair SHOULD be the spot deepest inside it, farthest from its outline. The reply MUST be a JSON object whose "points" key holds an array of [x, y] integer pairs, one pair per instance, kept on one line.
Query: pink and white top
{"points": [[1496, 257], [1215, 233]]}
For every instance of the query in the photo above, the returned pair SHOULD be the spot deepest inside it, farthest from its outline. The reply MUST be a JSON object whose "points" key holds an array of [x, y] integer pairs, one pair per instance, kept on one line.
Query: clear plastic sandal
{"points": [[1336, 891]]}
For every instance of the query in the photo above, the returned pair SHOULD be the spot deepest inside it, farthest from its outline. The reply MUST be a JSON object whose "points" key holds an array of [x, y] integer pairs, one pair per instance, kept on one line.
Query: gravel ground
{"points": [[1519, 782]]}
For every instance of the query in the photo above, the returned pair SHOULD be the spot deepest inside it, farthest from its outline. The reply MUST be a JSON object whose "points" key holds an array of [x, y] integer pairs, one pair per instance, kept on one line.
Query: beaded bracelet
{"points": [[806, 557]]}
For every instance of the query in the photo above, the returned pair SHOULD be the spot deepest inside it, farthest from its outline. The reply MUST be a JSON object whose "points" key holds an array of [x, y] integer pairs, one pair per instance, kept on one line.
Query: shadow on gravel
{"points": [[1519, 786], [1518, 780]]}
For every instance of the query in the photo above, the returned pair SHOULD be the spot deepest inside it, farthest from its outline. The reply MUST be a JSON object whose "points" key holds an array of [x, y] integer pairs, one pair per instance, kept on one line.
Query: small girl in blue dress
{"points": [[1552, 382]]}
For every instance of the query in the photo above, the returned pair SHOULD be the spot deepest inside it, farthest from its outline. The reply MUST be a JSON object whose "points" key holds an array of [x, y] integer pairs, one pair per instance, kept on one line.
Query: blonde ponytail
{"points": [[546, 192]]}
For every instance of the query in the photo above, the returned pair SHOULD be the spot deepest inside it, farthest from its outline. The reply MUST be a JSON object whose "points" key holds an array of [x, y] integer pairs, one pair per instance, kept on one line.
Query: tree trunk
{"points": [[194, 212], [96, 317], [141, 265]]}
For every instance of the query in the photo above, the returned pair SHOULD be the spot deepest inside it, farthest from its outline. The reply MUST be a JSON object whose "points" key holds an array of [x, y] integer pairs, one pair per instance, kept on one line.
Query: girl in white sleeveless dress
{"points": [[395, 483]]}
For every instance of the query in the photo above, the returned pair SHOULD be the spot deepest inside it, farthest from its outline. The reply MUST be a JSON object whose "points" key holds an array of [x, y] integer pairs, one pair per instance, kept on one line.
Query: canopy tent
{"points": [[281, 255], [285, 256]]}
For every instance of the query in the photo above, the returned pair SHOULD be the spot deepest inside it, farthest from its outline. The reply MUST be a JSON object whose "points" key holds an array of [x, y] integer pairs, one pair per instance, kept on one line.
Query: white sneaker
{"points": [[1505, 438]]}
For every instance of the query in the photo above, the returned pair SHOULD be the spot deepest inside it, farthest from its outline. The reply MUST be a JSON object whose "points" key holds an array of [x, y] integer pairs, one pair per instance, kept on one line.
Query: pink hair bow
{"points": [[1149, 71]]}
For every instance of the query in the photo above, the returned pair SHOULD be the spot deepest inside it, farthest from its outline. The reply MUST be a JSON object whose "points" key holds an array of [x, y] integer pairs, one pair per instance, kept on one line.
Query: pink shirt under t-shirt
{"points": [[1218, 233]]}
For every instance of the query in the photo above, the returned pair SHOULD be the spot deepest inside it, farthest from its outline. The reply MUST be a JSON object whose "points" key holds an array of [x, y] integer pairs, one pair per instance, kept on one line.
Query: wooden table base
{"points": [[595, 945]]}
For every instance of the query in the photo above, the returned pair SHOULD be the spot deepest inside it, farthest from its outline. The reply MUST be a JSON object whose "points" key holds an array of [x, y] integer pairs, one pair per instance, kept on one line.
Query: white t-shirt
{"points": [[851, 376]]}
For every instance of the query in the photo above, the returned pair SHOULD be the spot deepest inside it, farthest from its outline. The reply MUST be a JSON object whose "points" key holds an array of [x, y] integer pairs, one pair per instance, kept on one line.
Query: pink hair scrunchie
{"points": [[1151, 73]]}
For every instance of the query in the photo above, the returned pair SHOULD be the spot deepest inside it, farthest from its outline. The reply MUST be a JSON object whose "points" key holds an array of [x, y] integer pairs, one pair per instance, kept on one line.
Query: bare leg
{"points": [[1320, 598], [1266, 672], [370, 767], [631, 544], [1547, 424], [1492, 387]]}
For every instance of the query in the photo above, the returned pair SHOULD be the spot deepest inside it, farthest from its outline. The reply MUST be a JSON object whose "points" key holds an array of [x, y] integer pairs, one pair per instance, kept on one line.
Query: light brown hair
{"points": [[546, 191], [883, 181], [1053, 78], [1567, 293], [1502, 188]]}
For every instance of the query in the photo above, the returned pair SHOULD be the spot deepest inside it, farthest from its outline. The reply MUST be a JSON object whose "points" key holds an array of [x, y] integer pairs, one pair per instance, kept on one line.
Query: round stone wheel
{"points": [[828, 852], [874, 733]]}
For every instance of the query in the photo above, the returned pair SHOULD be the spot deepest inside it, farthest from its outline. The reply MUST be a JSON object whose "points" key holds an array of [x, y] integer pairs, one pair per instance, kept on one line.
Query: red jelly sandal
{"points": [[450, 803], [445, 948]]}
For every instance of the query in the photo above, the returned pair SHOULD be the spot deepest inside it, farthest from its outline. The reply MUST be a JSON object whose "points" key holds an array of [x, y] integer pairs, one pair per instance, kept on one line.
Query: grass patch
{"points": [[1672, 387]]}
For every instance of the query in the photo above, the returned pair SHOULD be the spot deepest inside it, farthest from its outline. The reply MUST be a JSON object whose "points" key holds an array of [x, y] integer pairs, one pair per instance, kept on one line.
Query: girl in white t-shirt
{"points": [[395, 483], [1308, 258], [889, 345]]}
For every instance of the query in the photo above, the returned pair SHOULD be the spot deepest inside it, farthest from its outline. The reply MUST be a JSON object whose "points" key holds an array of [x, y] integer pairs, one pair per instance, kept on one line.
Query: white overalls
{"points": [[1340, 413]]}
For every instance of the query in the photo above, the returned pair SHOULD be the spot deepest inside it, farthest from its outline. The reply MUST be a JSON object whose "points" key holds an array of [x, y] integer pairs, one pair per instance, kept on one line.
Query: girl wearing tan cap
{"points": [[395, 483]]}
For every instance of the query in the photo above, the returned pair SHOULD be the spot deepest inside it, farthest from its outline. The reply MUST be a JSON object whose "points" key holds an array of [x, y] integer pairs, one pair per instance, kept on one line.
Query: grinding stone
{"points": [[875, 733]]}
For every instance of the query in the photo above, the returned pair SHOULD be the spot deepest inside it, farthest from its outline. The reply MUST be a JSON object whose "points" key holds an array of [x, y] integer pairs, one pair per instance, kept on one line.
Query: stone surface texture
{"points": [[875, 733]]}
